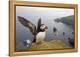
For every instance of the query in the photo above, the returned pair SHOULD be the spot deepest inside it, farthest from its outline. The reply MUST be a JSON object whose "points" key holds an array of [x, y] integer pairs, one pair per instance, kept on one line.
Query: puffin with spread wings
{"points": [[39, 31]]}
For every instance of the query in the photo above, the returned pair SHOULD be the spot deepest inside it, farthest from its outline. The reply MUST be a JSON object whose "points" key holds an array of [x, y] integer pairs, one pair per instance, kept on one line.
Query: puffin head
{"points": [[43, 28]]}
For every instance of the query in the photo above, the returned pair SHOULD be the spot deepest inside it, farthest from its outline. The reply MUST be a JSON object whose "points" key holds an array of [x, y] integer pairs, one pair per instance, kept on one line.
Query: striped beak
{"points": [[46, 28]]}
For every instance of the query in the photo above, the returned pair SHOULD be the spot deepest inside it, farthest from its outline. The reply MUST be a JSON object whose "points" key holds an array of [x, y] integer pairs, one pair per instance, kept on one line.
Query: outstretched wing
{"points": [[27, 24], [38, 25]]}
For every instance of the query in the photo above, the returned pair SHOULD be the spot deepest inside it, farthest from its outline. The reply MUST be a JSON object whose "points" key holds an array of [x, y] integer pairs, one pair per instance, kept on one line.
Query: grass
{"points": [[51, 45], [67, 20], [54, 44]]}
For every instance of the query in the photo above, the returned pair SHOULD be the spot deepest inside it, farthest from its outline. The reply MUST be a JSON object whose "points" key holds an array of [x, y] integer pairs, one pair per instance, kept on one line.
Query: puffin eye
{"points": [[42, 27]]}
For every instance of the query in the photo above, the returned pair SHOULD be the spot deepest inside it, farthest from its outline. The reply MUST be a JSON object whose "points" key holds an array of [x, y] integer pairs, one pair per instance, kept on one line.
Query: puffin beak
{"points": [[46, 28]]}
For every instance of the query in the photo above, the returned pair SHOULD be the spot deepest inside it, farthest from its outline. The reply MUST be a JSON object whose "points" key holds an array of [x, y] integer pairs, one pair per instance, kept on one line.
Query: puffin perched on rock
{"points": [[38, 32]]}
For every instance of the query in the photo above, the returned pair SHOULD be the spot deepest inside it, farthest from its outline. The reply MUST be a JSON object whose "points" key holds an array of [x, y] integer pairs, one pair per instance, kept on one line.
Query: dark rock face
{"points": [[69, 20]]}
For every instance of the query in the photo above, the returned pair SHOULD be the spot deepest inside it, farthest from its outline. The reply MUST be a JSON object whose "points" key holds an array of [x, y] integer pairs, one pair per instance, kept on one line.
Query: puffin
{"points": [[39, 31]]}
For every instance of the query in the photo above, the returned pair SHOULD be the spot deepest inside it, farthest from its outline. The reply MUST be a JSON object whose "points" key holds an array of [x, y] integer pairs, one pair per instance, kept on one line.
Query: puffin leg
{"points": [[34, 40]]}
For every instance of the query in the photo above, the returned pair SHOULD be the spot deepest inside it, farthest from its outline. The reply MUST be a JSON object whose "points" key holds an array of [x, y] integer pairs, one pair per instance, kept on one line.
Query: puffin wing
{"points": [[27, 24], [38, 25]]}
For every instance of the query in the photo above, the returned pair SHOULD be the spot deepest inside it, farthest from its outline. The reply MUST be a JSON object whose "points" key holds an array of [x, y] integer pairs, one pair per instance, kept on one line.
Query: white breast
{"points": [[40, 37]]}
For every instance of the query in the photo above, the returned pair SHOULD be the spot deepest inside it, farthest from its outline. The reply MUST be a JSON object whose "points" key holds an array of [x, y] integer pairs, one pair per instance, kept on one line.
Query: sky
{"points": [[43, 11]]}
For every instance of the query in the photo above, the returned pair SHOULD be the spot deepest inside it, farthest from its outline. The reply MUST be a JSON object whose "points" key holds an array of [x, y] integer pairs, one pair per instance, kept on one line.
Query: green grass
{"points": [[51, 45], [68, 20]]}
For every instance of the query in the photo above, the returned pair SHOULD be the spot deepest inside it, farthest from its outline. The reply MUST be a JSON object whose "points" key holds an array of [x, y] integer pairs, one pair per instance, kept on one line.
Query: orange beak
{"points": [[46, 28]]}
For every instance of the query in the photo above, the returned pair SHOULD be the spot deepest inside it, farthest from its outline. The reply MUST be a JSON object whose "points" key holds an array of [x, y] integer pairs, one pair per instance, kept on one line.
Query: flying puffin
{"points": [[39, 32]]}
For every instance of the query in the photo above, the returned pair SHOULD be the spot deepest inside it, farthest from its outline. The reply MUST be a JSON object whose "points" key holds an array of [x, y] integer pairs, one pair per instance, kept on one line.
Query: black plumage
{"points": [[32, 27]]}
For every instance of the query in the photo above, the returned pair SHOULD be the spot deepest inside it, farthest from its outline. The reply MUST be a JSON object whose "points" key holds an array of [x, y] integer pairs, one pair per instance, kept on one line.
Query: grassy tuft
{"points": [[54, 44]]}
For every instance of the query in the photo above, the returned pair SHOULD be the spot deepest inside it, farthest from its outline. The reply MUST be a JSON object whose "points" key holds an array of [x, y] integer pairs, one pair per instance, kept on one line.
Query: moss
{"points": [[54, 44], [69, 20], [50, 45]]}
